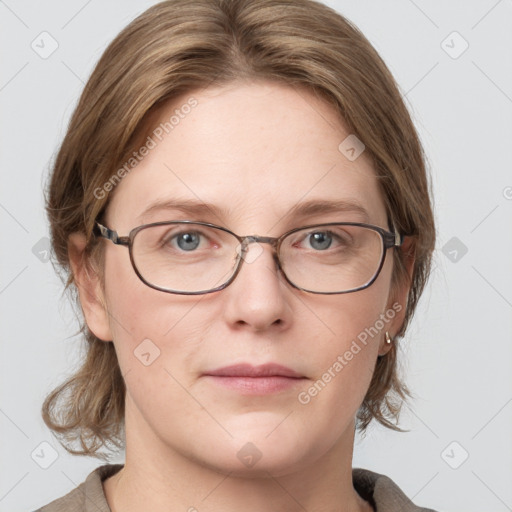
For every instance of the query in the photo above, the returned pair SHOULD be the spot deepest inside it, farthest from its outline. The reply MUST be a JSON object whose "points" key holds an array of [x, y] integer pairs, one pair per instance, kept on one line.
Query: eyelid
{"points": [[330, 230]]}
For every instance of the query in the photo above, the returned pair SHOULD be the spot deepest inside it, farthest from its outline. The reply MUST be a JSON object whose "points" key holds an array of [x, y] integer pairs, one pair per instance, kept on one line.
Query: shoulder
{"points": [[86, 497], [382, 492]]}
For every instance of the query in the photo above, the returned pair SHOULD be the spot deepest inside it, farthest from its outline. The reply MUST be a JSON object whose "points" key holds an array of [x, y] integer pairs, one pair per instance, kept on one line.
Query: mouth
{"points": [[247, 379]]}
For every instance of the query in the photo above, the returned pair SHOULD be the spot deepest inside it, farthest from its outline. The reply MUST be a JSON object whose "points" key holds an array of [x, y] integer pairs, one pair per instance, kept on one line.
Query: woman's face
{"points": [[254, 152]]}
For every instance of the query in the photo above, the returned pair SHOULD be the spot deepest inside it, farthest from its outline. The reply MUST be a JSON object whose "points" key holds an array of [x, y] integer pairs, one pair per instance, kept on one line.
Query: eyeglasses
{"points": [[191, 258]]}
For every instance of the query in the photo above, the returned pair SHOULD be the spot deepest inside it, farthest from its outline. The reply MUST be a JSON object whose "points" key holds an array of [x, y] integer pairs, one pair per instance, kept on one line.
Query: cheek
{"points": [[346, 352], [352, 317], [157, 337], [144, 321], [129, 300]]}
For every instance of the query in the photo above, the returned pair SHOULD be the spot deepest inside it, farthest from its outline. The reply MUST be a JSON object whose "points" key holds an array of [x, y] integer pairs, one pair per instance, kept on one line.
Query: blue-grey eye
{"points": [[320, 240], [188, 241]]}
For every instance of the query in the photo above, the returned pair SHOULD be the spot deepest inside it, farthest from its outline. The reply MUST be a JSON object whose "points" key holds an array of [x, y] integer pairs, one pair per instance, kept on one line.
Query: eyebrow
{"points": [[321, 206], [309, 208]]}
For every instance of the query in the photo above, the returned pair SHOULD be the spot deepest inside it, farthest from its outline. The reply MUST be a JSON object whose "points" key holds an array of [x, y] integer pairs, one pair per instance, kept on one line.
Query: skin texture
{"points": [[256, 149]]}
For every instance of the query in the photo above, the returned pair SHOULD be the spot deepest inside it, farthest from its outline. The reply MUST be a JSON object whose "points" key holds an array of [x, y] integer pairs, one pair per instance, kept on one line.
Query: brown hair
{"points": [[179, 46]]}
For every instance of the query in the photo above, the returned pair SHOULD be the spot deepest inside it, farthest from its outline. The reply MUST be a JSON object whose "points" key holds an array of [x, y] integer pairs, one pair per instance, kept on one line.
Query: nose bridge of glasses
{"points": [[261, 239], [246, 240]]}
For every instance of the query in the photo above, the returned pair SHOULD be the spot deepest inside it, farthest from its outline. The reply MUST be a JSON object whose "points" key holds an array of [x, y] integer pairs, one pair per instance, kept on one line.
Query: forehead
{"points": [[254, 152]]}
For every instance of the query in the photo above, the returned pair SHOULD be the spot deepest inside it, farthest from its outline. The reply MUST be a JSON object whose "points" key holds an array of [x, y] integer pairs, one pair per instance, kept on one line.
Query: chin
{"points": [[265, 452], [248, 461]]}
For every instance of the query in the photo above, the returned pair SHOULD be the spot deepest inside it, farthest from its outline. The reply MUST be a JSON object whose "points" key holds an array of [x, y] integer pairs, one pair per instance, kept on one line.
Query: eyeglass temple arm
{"points": [[111, 235], [398, 238]]}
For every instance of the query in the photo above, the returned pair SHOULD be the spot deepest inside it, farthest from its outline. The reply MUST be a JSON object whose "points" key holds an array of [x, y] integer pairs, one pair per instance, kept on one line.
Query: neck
{"points": [[160, 478]]}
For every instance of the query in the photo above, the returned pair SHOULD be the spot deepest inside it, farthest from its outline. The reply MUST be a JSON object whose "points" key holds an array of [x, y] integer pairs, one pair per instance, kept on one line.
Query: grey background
{"points": [[457, 355]]}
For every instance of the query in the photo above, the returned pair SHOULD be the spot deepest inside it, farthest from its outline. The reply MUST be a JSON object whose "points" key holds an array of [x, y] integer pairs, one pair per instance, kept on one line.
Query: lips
{"points": [[247, 370], [245, 379]]}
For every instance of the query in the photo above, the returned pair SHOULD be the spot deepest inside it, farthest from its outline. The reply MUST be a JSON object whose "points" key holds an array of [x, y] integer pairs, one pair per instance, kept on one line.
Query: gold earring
{"points": [[389, 340]]}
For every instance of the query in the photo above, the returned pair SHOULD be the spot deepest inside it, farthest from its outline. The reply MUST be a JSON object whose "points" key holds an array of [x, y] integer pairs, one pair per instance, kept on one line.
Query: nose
{"points": [[259, 296]]}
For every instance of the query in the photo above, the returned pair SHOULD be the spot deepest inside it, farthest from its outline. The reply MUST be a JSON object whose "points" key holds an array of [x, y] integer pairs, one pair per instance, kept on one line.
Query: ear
{"points": [[398, 298], [88, 283]]}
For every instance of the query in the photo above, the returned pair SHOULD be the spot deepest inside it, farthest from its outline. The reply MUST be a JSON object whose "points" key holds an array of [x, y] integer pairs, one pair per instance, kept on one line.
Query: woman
{"points": [[257, 163]]}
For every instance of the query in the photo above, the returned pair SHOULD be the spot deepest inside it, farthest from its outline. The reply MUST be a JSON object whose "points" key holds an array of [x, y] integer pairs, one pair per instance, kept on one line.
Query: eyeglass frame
{"points": [[389, 240]]}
